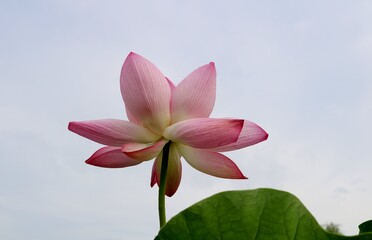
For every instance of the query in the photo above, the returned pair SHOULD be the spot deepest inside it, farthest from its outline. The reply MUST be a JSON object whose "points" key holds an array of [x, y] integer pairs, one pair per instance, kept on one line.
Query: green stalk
{"points": [[163, 178]]}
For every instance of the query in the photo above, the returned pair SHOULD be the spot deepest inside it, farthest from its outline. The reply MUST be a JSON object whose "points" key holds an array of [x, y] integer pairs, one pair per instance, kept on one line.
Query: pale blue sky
{"points": [[301, 70]]}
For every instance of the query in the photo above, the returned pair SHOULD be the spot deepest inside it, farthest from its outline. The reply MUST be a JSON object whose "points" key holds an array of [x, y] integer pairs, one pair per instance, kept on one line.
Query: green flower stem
{"points": [[163, 178]]}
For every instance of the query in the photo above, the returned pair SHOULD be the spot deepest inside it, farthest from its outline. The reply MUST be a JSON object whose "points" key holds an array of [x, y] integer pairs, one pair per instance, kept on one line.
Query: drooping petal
{"points": [[112, 132], [146, 93], [111, 157], [143, 151], [204, 132], [194, 97], [211, 163], [156, 168], [251, 134], [174, 171]]}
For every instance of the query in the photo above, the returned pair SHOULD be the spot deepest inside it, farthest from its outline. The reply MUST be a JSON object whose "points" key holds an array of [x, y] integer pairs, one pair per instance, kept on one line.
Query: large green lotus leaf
{"points": [[261, 214]]}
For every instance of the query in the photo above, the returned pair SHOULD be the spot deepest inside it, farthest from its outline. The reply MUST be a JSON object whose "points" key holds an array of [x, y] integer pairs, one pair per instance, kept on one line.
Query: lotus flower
{"points": [[160, 112]]}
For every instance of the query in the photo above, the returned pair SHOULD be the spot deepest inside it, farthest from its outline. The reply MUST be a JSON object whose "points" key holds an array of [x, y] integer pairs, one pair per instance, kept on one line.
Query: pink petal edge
{"points": [[111, 157], [112, 132], [143, 152], [251, 134], [204, 133]]}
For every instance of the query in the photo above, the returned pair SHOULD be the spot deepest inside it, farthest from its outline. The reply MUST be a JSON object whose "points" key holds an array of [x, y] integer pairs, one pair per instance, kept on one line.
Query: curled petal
{"points": [[174, 171], [143, 151], [211, 163], [194, 97], [146, 93], [251, 134], [204, 132], [112, 132], [111, 157]]}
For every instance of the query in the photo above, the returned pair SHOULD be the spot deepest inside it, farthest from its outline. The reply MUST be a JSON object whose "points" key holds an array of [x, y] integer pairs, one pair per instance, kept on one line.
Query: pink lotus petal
{"points": [[112, 132], [251, 134], [194, 97], [146, 93], [111, 157], [174, 171], [211, 163], [142, 151], [204, 132]]}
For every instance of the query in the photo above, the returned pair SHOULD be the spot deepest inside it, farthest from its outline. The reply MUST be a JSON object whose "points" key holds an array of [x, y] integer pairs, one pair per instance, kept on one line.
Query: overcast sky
{"points": [[301, 70]]}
